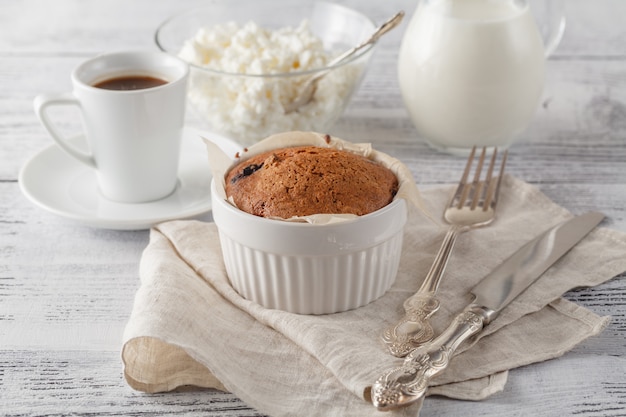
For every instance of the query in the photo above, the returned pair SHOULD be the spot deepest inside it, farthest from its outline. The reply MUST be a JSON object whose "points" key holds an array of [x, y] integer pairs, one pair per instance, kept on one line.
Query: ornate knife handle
{"points": [[406, 384], [414, 329]]}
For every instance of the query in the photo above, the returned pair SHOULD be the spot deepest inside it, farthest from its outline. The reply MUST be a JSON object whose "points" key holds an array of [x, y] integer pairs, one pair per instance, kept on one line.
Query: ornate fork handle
{"points": [[406, 384], [414, 329]]}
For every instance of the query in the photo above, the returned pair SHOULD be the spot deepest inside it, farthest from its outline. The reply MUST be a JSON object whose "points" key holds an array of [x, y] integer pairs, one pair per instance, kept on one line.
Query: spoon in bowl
{"points": [[308, 90]]}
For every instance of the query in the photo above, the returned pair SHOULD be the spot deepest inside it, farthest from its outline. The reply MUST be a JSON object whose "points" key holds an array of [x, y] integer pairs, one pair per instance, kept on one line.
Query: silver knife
{"points": [[406, 384]]}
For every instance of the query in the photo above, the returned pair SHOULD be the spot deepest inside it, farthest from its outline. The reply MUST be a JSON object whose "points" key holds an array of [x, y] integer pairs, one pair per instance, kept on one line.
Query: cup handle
{"points": [[41, 104]]}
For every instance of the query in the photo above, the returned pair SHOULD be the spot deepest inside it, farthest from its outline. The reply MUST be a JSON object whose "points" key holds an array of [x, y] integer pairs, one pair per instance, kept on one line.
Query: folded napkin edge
{"points": [[143, 358]]}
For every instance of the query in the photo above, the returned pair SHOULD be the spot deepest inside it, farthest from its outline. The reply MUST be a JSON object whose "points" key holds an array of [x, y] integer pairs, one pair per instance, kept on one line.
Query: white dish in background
{"points": [[59, 184]]}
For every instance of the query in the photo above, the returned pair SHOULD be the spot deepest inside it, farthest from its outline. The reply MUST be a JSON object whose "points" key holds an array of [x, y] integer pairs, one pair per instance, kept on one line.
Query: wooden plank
{"points": [[62, 383], [566, 387], [585, 122], [65, 383]]}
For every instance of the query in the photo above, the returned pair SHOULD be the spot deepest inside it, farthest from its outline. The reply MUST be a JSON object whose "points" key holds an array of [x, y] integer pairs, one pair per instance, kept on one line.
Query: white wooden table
{"points": [[66, 290]]}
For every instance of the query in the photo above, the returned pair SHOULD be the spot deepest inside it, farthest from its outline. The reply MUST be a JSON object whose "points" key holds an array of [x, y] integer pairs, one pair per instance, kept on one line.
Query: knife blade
{"points": [[408, 383]]}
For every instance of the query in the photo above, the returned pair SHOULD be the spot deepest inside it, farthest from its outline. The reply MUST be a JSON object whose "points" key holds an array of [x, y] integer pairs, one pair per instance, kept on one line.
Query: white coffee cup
{"points": [[133, 135]]}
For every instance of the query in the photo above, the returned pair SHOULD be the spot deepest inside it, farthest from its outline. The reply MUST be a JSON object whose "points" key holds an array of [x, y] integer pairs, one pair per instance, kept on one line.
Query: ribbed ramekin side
{"points": [[312, 285]]}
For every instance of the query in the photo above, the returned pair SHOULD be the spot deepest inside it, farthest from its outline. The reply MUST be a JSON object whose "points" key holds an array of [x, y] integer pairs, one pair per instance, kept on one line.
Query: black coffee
{"points": [[132, 82]]}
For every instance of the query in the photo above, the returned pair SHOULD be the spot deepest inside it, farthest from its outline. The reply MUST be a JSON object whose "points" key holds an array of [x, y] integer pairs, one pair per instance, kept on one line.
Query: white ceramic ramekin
{"points": [[307, 268]]}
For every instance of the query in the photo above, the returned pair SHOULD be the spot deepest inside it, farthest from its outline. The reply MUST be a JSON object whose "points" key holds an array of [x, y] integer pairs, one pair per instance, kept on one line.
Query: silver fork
{"points": [[472, 205]]}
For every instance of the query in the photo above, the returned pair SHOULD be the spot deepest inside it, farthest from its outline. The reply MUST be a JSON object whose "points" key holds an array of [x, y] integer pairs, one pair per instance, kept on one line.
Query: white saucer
{"points": [[58, 183]]}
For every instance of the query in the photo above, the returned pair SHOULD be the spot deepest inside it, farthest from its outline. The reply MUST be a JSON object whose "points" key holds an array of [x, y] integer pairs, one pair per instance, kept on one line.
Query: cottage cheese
{"points": [[249, 108]]}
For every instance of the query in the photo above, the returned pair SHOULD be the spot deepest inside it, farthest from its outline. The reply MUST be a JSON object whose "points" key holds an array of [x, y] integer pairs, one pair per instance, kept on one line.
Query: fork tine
{"points": [[490, 181], [480, 165], [477, 184], [493, 186], [501, 174], [463, 189], [492, 163]]}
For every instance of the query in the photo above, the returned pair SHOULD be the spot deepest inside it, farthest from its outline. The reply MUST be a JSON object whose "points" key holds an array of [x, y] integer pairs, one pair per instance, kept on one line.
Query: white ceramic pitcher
{"points": [[471, 72]]}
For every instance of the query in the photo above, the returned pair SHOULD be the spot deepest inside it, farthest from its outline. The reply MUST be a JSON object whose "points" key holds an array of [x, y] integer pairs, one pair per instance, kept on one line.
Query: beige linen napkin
{"points": [[189, 327]]}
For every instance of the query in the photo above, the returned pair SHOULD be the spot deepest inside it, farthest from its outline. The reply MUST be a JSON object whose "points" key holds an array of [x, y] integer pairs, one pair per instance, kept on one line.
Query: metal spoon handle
{"points": [[308, 88], [380, 31], [414, 329]]}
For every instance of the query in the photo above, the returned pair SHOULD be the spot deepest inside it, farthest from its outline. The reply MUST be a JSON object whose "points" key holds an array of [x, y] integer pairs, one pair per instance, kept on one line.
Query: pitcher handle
{"points": [[554, 27]]}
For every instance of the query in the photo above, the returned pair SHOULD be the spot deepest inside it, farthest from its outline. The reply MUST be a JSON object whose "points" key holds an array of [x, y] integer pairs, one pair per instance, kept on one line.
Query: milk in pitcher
{"points": [[471, 71]]}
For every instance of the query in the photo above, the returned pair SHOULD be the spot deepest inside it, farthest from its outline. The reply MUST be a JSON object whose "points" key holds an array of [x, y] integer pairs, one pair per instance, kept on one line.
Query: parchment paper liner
{"points": [[221, 163]]}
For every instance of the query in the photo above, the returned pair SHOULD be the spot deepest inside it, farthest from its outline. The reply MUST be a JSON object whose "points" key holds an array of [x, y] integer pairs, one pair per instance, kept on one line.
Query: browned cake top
{"points": [[307, 180]]}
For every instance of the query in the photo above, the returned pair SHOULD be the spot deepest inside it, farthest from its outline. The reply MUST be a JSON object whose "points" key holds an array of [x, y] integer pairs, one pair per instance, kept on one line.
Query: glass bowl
{"points": [[246, 105]]}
